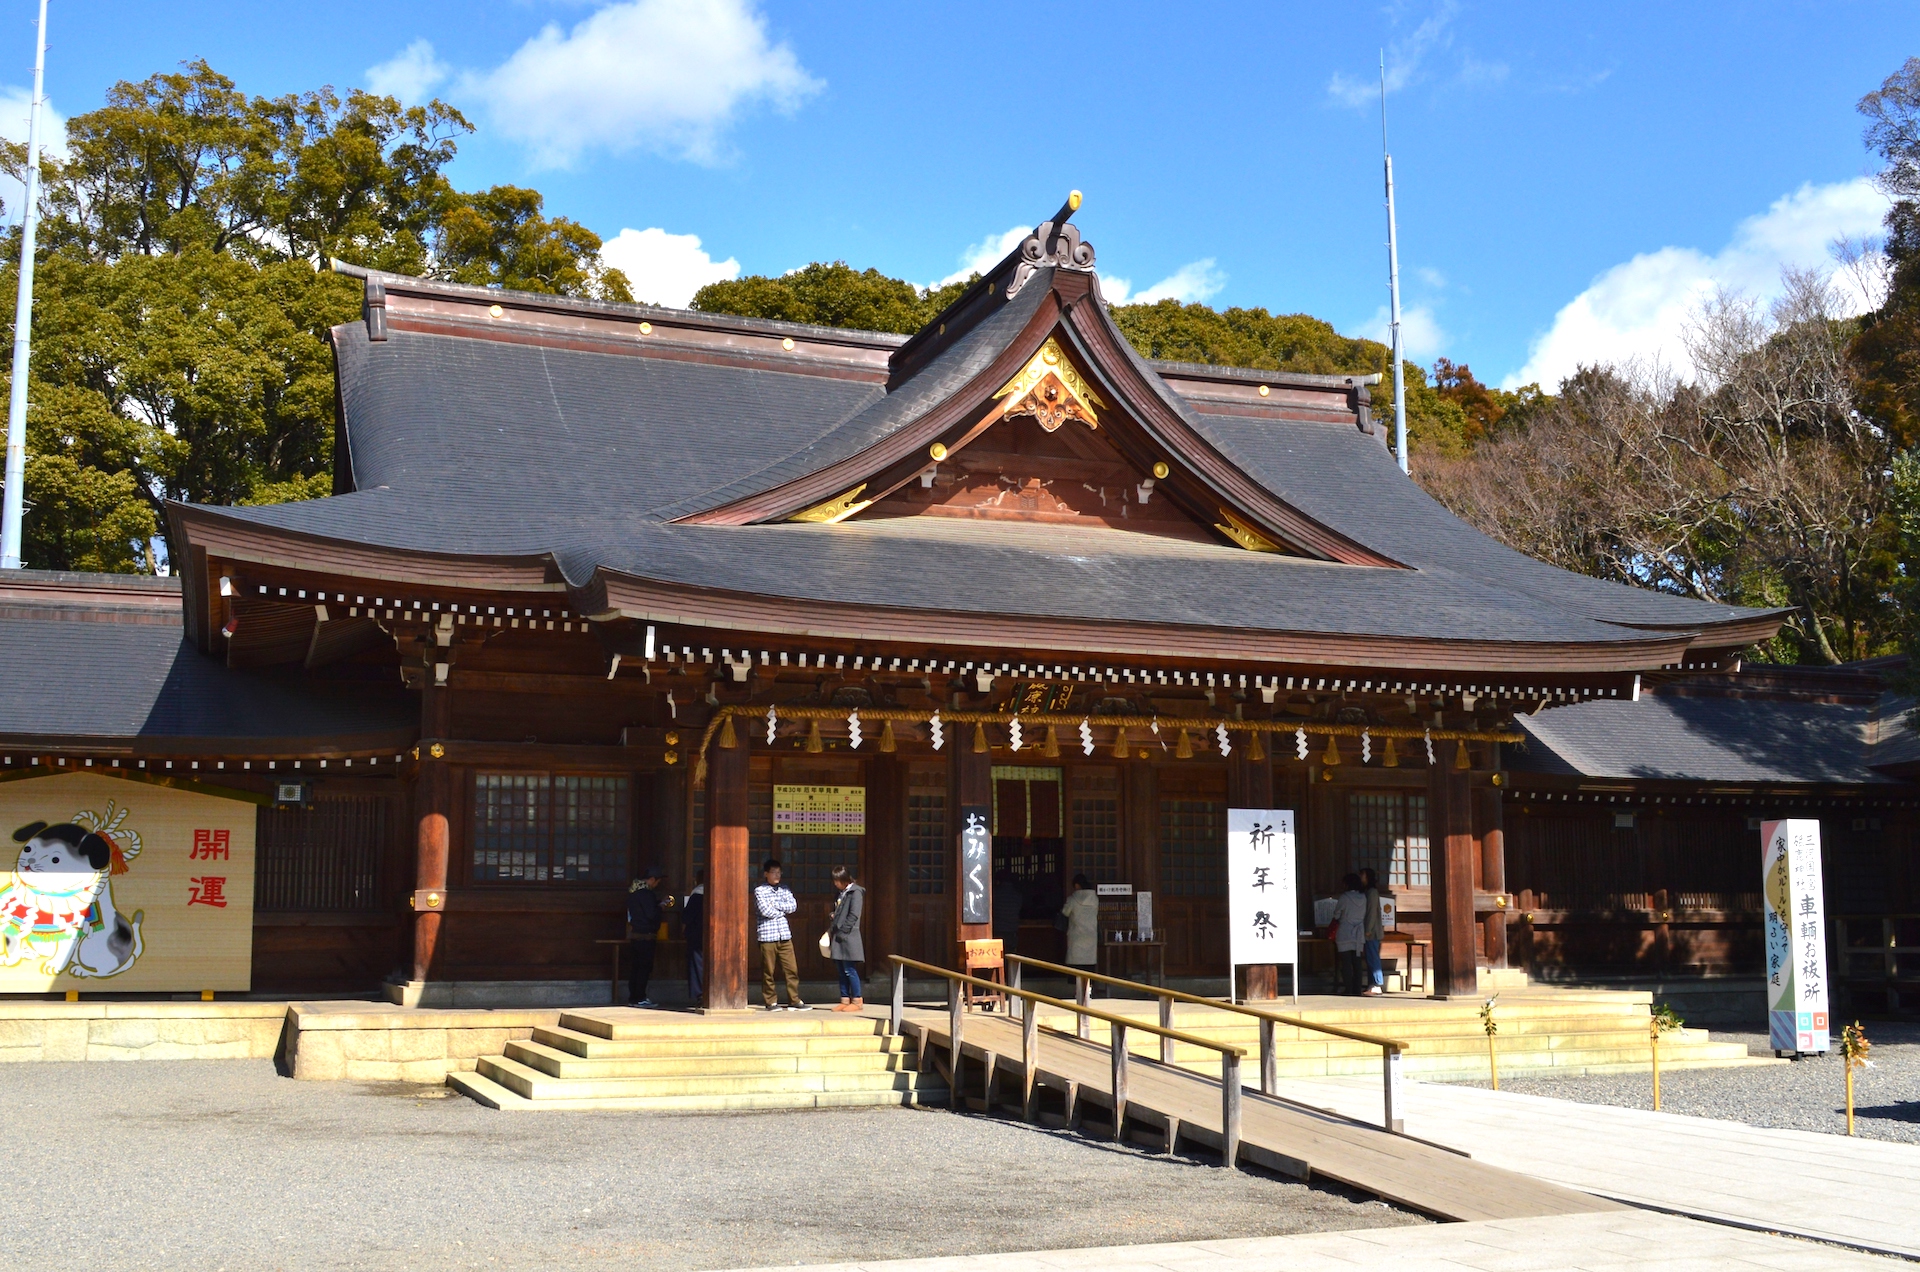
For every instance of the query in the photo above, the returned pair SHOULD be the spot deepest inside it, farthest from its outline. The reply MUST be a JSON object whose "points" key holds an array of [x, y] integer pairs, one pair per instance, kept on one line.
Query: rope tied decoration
{"points": [[937, 719]]}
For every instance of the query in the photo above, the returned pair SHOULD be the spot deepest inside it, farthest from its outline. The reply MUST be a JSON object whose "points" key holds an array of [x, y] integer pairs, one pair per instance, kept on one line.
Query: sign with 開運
{"points": [[819, 810], [113, 884], [976, 863], [1795, 934], [1261, 908]]}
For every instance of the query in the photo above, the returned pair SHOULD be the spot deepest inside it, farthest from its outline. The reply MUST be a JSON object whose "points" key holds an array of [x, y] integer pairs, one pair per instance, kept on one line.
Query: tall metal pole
{"points": [[1393, 285], [23, 321]]}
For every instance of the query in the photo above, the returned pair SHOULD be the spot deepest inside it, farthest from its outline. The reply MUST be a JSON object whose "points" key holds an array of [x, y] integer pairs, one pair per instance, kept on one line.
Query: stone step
{"points": [[490, 1093], [634, 1022], [564, 1064], [743, 1044], [536, 1085]]}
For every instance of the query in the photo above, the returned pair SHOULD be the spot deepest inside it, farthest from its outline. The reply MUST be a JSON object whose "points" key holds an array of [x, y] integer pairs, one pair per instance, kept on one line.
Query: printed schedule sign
{"points": [[819, 810], [1796, 935], [112, 884], [1260, 889]]}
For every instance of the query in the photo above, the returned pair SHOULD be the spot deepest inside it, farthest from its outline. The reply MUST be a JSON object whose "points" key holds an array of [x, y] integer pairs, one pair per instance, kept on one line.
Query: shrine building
{"points": [[601, 586]]}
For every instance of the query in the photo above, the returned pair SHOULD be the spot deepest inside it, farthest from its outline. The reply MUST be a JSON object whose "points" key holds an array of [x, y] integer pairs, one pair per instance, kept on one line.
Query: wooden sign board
{"points": [[976, 864], [111, 884], [819, 810]]}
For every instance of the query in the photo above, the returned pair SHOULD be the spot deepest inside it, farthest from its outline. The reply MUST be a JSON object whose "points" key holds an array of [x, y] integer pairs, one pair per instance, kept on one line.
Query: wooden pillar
{"points": [[1450, 831], [970, 783], [432, 843], [729, 925], [1250, 785], [1489, 812], [886, 864]]}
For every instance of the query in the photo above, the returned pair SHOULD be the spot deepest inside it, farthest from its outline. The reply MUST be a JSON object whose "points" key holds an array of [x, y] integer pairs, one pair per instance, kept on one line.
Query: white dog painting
{"points": [[57, 904]]}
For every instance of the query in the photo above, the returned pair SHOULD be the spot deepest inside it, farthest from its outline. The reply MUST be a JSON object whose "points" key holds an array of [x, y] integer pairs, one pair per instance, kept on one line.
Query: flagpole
{"points": [[23, 320], [1393, 285]]}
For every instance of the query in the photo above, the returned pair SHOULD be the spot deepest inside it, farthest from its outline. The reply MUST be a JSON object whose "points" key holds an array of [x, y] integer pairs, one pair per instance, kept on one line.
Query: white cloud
{"points": [[410, 75], [668, 76], [1421, 335], [15, 103], [1638, 309], [985, 254], [663, 268], [1431, 277], [1195, 281], [1403, 62]]}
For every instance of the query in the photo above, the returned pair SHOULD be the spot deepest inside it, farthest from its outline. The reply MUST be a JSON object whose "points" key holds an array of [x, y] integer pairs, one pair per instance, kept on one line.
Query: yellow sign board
{"points": [[819, 810], [111, 884]]}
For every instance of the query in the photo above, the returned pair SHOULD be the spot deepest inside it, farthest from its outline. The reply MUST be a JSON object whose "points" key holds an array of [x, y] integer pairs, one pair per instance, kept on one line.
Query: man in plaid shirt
{"points": [[772, 904]]}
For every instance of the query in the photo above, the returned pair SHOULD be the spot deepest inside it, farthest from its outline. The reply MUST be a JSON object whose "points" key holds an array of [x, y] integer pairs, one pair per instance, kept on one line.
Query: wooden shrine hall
{"points": [[605, 585]]}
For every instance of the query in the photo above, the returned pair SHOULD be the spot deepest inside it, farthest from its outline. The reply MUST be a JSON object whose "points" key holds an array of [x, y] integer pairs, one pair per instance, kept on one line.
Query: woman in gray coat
{"points": [[843, 937]]}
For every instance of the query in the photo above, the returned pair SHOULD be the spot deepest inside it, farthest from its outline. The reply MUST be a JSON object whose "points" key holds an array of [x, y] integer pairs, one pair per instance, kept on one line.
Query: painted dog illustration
{"points": [[58, 902]]}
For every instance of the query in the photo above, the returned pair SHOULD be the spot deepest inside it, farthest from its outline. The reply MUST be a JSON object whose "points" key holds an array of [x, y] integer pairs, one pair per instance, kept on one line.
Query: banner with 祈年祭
{"points": [[1261, 907], [111, 884], [1796, 935]]}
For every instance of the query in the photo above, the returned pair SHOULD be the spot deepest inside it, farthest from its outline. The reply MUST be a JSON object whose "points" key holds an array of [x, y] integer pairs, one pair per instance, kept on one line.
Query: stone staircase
{"points": [[628, 1058], [1541, 1032]]}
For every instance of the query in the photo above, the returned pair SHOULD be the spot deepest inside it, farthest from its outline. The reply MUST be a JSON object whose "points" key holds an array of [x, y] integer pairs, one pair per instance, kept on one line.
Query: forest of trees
{"points": [[180, 320]]}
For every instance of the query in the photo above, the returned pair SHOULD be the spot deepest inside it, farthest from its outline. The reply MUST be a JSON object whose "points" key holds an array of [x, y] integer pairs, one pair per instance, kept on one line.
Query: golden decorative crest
{"points": [[1245, 535], [1050, 390], [836, 509]]}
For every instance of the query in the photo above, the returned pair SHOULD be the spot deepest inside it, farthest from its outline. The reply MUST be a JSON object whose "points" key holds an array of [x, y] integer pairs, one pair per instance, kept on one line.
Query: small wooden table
{"points": [[613, 983], [1156, 960], [1412, 943]]}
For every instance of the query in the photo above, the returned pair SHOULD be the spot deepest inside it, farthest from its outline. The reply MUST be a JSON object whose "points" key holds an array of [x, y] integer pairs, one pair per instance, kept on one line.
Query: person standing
{"points": [[1376, 932], [1082, 912], [693, 930], [645, 909], [773, 903], [1009, 896], [1349, 933], [843, 938]]}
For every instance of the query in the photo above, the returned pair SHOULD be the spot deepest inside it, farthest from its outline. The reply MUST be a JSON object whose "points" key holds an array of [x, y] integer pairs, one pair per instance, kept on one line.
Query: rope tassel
{"points": [[1332, 755], [980, 739], [814, 744], [1051, 748], [1120, 743], [1183, 749], [727, 738], [1389, 758], [886, 738], [1254, 752], [1461, 760]]}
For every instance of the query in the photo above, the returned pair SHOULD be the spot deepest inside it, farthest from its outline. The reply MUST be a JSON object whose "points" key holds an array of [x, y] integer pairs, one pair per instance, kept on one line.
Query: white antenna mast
{"points": [[23, 321], [1393, 284]]}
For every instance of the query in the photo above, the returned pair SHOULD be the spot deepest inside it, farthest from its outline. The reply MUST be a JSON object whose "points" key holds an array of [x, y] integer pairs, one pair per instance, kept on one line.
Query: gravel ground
{"points": [[225, 1164], [1805, 1095]]}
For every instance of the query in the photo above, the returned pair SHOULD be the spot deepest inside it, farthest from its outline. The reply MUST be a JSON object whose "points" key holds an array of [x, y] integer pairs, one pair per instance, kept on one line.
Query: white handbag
{"points": [[826, 944]]}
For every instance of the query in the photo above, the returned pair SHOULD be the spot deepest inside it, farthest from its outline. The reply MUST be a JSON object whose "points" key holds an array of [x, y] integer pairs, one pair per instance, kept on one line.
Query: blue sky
{"points": [[1570, 177]]}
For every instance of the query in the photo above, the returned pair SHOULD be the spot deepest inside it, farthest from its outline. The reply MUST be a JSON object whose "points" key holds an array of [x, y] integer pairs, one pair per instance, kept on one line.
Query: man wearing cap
{"points": [[646, 907]]}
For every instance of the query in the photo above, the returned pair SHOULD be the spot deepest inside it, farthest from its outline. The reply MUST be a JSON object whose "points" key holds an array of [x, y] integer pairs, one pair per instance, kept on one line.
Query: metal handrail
{"points": [[1391, 1049], [1230, 1055]]}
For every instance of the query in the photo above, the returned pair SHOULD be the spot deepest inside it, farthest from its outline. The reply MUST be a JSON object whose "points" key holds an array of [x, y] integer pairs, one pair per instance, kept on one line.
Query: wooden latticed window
{"points": [[807, 861], [1193, 847], [550, 828], [927, 832], [1388, 831], [1093, 821], [321, 859]]}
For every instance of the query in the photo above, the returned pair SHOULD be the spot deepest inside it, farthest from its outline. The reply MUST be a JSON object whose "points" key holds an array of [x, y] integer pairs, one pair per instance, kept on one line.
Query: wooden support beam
{"points": [[433, 807], [1489, 828], [1450, 832], [729, 923]]}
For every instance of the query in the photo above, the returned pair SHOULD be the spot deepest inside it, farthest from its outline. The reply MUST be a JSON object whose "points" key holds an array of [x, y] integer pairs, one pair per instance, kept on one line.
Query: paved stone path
{"points": [[1858, 1192], [1616, 1241]]}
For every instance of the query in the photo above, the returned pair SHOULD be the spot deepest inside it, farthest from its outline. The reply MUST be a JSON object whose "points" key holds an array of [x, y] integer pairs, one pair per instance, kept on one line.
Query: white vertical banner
{"points": [[1261, 909], [1795, 934]]}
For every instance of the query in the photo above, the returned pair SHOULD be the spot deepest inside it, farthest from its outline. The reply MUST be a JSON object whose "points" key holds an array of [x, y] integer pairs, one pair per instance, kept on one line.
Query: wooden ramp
{"points": [[1284, 1137]]}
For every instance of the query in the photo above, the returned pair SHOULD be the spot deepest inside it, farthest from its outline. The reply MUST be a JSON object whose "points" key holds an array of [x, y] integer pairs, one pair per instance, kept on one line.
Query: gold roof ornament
{"points": [[1244, 534], [837, 509], [1050, 390]]}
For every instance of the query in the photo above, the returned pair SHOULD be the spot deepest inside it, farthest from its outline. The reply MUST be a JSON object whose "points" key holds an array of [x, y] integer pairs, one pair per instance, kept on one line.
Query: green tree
{"points": [[500, 237], [831, 294]]}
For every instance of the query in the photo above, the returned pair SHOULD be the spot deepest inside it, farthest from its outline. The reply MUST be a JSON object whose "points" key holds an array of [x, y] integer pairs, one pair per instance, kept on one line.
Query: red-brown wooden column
{"points": [[729, 925], [1489, 811], [970, 782], [433, 807], [1250, 785], [1450, 831], [886, 863]]}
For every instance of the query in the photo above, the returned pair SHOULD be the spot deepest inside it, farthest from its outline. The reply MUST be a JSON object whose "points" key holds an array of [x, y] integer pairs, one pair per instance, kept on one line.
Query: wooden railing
{"points": [[1390, 1049], [1230, 1055], [1879, 953]]}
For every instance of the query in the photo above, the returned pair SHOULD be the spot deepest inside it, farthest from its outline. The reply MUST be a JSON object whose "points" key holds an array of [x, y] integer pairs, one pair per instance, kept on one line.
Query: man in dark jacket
{"points": [[646, 907], [693, 930]]}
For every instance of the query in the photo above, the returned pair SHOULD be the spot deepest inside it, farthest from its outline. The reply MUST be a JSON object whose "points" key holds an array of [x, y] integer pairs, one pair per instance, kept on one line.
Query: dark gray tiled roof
{"points": [[1704, 739], [88, 679]]}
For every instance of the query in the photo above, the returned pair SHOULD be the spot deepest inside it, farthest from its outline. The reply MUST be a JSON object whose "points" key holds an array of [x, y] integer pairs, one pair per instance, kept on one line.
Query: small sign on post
{"points": [[1262, 911], [1795, 934], [976, 862]]}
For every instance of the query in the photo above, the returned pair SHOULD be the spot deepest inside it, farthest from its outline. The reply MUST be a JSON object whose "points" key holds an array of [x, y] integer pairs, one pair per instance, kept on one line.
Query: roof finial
{"points": [[1053, 244]]}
